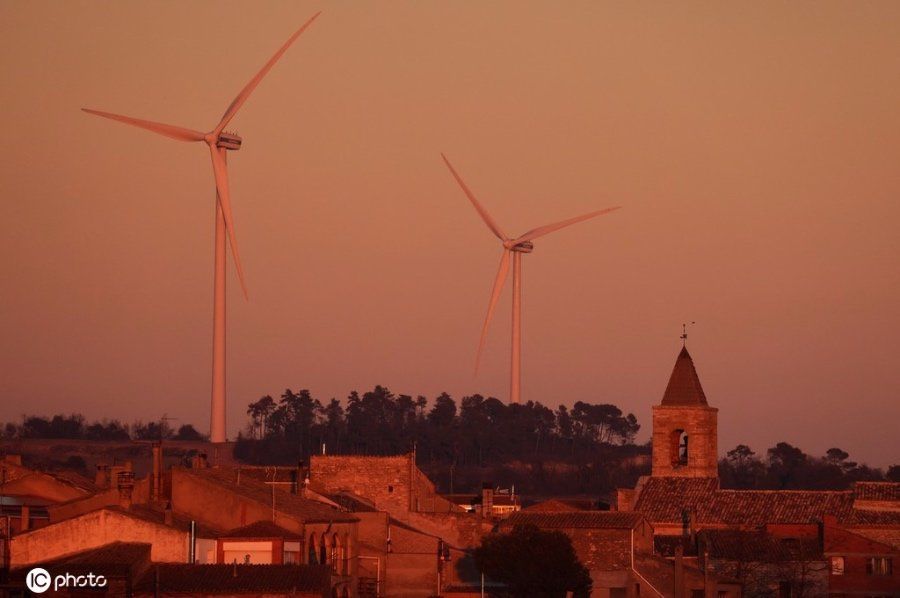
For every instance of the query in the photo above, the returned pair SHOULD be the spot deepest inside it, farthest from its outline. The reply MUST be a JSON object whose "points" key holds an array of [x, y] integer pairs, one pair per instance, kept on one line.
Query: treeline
{"points": [[588, 449], [478, 431], [77, 428], [786, 467]]}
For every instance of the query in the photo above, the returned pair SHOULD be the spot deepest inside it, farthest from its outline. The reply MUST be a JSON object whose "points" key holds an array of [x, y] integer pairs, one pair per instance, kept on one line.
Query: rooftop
{"points": [[307, 510], [575, 519], [664, 499]]}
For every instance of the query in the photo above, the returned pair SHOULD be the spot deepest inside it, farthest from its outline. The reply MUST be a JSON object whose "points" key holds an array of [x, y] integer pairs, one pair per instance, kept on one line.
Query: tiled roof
{"points": [[757, 546], [880, 491], [684, 384], [254, 489], [759, 507], [260, 529], [236, 579], [663, 499], [873, 518], [575, 519], [564, 504]]}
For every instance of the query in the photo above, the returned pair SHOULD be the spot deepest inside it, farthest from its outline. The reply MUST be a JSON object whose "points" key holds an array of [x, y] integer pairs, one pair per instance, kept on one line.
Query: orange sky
{"points": [[754, 148]]}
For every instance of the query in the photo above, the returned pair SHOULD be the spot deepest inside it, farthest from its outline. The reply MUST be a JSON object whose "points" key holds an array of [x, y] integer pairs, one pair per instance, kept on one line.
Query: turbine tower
{"points": [[512, 250], [219, 142]]}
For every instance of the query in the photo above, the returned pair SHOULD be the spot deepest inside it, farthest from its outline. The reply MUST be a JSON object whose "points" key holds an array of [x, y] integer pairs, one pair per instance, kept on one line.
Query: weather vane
{"points": [[683, 336]]}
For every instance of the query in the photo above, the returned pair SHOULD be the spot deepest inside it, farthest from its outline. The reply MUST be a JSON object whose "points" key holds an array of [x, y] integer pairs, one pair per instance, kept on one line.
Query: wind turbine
{"points": [[512, 250], [219, 142]]}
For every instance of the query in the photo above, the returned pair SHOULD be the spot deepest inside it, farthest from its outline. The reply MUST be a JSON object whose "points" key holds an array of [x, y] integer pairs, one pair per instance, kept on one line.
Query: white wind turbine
{"points": [[512, 248], [219, 142]]}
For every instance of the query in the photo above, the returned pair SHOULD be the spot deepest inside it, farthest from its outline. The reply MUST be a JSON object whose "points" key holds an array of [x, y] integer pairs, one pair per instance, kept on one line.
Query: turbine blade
{"points": [[220, 170], [179, 133], [549, 228], [499, 281], [484, 213], [248, 89]]}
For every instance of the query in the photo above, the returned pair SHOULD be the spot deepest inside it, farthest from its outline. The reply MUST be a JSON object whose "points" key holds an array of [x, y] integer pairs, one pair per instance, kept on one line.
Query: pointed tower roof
{"points": [[684, 384]]}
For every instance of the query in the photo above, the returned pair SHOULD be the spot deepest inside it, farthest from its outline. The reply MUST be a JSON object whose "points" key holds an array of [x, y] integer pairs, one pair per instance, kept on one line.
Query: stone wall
{"points": [[700, 425], [94, 530]]}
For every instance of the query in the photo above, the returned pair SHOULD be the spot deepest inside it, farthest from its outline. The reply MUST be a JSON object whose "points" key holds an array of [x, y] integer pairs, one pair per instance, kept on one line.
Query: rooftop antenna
{"points": [[683, 336], [163, 422]]}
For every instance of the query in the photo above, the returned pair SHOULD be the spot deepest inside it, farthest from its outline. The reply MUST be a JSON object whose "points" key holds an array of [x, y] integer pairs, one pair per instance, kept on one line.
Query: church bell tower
{"points": [[685, 428]]}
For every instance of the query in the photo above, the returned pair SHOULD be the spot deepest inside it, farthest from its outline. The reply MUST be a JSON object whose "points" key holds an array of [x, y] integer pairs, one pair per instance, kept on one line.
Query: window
{"points": [[837, 565], [879, 565], [679, 448], [291, 557]]}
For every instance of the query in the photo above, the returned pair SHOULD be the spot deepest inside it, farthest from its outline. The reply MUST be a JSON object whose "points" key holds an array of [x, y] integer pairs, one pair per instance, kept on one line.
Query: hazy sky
{"points": [[754, 147]]}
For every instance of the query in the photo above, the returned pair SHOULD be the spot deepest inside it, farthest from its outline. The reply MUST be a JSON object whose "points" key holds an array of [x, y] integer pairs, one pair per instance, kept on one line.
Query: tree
{"points": [[785, 463], [893, 473], [188, 432], [533, 562], [742, 469]]}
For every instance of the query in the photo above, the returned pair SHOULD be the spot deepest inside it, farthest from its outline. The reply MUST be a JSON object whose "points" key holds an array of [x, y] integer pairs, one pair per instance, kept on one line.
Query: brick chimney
{"points": [[487, 500], [156, 481], [126, 488]]}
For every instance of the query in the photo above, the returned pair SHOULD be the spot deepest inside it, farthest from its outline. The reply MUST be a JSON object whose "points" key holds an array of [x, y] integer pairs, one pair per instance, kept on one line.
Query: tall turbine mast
{"points": [[219, 142], [513, 248]]}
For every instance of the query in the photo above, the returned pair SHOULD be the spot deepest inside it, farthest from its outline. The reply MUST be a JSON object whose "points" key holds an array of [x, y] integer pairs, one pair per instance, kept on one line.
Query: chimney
{"points": [[167, 514], [101, 479], [487, 500], [126, 488], [156, 482]]}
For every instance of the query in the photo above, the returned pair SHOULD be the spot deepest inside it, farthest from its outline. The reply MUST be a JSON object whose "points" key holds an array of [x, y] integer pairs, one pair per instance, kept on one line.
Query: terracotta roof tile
{"points": [[664, 499], [563, 504], [757, 546], [880, 491], [873, 518], [684, 384]]}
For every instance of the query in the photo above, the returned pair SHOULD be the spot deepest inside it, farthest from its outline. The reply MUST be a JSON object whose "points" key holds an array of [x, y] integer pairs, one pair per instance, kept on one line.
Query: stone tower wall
{"points": [[700, 423]]}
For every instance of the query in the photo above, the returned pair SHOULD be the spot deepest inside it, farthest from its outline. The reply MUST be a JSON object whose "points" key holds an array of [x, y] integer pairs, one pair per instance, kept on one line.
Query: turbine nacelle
{"points": [[523, 247], [229, 141]]}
